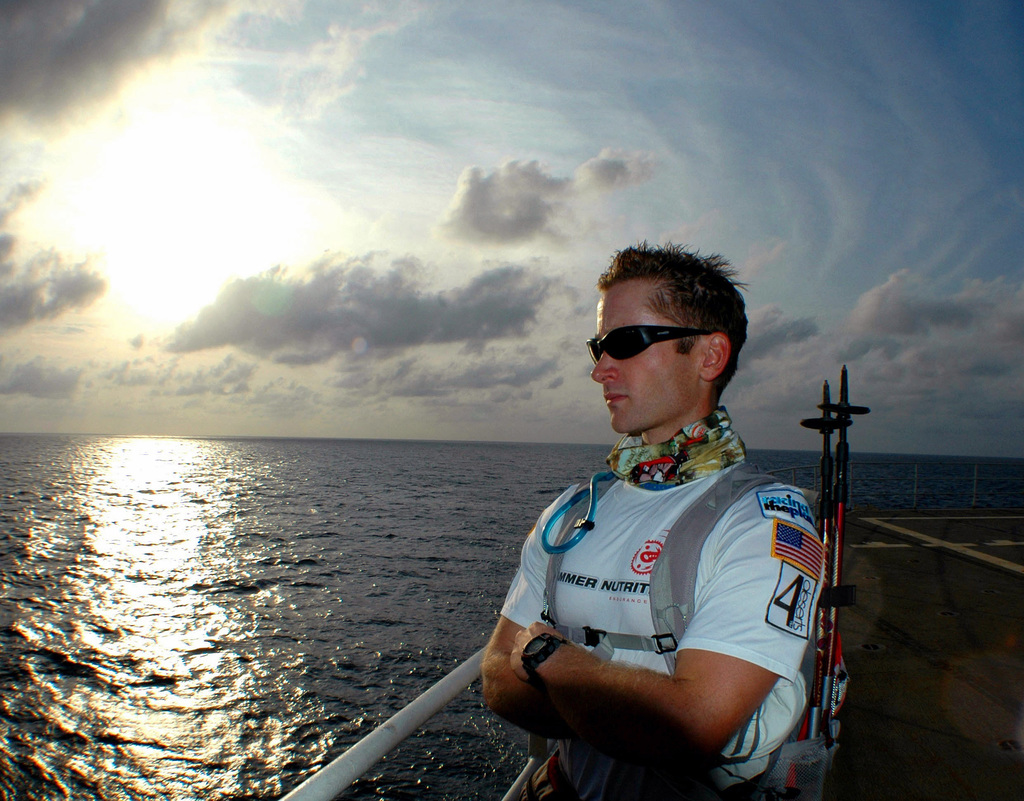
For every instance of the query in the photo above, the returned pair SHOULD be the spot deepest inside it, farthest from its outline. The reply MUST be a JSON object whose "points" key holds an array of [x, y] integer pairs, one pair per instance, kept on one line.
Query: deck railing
{"points": [[336, 777], [922, 484]]}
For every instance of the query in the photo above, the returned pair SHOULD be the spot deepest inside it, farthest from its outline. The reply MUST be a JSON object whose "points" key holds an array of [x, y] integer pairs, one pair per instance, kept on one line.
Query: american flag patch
{"points": [[798, 548]]}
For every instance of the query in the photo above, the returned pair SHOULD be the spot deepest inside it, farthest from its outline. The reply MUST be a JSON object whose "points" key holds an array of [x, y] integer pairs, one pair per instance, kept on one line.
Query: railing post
{"points": [[913, 504], [974, 492], [538, 749]]}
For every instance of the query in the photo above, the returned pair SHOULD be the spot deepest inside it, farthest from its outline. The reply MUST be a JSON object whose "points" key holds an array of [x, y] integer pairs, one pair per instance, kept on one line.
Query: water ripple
{"points": [[196, 619]]}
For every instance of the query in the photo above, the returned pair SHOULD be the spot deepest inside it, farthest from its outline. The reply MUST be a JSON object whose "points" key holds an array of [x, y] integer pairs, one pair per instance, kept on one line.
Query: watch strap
{"points": [[537, 651]]}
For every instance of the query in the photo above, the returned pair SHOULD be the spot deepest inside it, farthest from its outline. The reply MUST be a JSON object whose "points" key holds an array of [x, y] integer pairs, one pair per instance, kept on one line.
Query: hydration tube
{"points": [[582, 526]]}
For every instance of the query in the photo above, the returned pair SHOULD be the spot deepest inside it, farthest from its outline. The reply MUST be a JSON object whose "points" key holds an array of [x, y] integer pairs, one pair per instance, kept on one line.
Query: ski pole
{"points": [[825, 424], [838, 594]]}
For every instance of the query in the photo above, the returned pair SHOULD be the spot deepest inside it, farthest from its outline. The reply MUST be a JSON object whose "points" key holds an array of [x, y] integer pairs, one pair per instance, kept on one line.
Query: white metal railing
{"points": [[336, 777], [907, 485]]}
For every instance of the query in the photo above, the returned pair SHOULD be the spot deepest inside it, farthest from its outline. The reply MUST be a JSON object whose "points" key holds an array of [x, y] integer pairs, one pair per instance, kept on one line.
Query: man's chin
{"points": [[623, 428]]}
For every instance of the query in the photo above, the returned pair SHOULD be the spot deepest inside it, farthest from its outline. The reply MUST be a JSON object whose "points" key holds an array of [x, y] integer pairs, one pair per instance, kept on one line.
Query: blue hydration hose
{"points": [[583, 525]]}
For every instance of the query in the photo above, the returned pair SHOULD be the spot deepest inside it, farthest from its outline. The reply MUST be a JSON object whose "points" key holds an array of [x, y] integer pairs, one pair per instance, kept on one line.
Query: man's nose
{"points": [[604, 369]]}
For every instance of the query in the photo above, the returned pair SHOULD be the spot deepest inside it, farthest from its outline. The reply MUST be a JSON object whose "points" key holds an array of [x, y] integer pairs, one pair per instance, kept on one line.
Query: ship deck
{"points": [[935, 651]]}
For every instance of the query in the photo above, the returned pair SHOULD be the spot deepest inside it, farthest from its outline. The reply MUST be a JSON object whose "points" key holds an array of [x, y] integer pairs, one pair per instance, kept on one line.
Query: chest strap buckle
{"points": [[664, 643]]}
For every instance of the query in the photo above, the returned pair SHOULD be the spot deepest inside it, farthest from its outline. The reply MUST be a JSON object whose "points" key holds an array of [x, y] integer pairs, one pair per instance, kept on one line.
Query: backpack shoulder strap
{"points": [[674, 578]]}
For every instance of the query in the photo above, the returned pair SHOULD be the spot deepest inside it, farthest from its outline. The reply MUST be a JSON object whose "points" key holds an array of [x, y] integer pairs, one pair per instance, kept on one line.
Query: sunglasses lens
{"points": [[614, 344], [622, 343]]}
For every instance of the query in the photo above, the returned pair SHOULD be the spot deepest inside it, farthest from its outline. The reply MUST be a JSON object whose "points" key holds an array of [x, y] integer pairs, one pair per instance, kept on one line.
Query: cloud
{"points": [[412, 378], [697, 230], [519, 201], [981, 322], [17, 197], [939, 369], [229, 377], [936, 358], [614, 169], [771, 330], [352, 307], [760, 256], [56, 54], [900, 306], [39, 380], [316, 78], [43, 287], [281, 399], [514, 203], [136, 373], [326, 73]]}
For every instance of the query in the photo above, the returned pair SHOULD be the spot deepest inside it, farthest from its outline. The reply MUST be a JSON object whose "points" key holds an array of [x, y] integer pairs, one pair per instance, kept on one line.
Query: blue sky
{"points": [[386, 219]]}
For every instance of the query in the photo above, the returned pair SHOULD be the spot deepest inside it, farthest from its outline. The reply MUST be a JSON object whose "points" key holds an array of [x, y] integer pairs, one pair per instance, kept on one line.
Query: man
{"points": [[670, 326]]}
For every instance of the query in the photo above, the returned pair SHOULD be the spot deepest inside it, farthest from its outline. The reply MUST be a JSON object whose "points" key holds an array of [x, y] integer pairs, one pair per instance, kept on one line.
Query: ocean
{"points": [[202, 618]]}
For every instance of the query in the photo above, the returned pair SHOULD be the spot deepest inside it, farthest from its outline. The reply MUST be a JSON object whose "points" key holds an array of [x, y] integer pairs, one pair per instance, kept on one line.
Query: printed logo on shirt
{"points": [[604, 584], [578, 579], [792, 606], [796, 547], [644, 559], [782, 506]]}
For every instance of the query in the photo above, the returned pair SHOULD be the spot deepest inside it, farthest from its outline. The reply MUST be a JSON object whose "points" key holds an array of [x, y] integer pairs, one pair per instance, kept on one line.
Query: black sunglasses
{"points": [[627, 342]]}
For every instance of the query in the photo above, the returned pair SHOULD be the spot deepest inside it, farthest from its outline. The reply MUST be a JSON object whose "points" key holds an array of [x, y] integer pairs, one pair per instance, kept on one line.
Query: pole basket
{"points": [[799, 772]]}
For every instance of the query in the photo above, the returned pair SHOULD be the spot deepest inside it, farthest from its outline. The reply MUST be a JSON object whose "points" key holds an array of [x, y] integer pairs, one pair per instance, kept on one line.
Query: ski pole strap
{"points": [[834, 597]]}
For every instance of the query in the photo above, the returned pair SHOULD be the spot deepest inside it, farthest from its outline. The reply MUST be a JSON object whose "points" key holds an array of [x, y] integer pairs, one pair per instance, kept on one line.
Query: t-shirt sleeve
{"points": [[525, 599], [750, 602]]}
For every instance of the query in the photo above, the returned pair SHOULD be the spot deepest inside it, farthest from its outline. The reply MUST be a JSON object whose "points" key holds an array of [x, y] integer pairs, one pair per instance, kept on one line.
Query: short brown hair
{"points": [[693, 290]]}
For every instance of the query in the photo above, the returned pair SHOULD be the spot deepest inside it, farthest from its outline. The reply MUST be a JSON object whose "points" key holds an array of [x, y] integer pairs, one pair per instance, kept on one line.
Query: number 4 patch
{"points": [[793, 603]]}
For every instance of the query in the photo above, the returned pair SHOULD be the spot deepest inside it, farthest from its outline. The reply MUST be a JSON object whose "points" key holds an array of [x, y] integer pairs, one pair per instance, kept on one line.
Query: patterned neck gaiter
{"points": [[700, 449]]}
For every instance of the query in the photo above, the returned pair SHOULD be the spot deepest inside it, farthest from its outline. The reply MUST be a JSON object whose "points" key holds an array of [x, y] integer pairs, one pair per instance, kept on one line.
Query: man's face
{"points": [[657, 392]]}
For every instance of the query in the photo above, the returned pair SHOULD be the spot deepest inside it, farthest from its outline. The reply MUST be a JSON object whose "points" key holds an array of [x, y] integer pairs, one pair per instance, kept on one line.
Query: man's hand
{"points": [[505, 684]]}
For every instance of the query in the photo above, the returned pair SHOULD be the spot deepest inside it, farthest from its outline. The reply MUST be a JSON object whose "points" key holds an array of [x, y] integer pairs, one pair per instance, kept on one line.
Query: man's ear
{"points": [[717, 350]]}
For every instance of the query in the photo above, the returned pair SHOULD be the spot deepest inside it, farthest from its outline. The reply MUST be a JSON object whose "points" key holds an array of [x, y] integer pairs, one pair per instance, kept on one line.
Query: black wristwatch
{"points": [[537, 650]]}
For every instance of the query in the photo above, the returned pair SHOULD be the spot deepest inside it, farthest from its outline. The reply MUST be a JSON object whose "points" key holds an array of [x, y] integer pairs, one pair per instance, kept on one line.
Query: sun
{"points": [[177, 202]]}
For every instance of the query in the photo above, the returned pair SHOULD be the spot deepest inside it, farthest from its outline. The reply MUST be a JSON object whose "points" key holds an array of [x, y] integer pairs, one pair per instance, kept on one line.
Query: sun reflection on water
{"points": [[147, 663]]}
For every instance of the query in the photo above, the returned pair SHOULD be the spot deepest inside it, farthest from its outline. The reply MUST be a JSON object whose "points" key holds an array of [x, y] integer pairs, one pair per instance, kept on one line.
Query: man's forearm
{"points": [[518, 702], [627, 712], [630, 713]]}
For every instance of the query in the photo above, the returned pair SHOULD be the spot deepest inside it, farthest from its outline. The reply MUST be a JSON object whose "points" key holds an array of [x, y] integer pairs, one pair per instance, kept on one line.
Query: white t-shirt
{"points": [[757, 584]]}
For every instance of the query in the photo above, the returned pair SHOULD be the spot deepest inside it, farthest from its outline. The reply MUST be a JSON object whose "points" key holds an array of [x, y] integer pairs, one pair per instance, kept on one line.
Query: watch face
{"points": [[538, 649], [535, 645]]}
